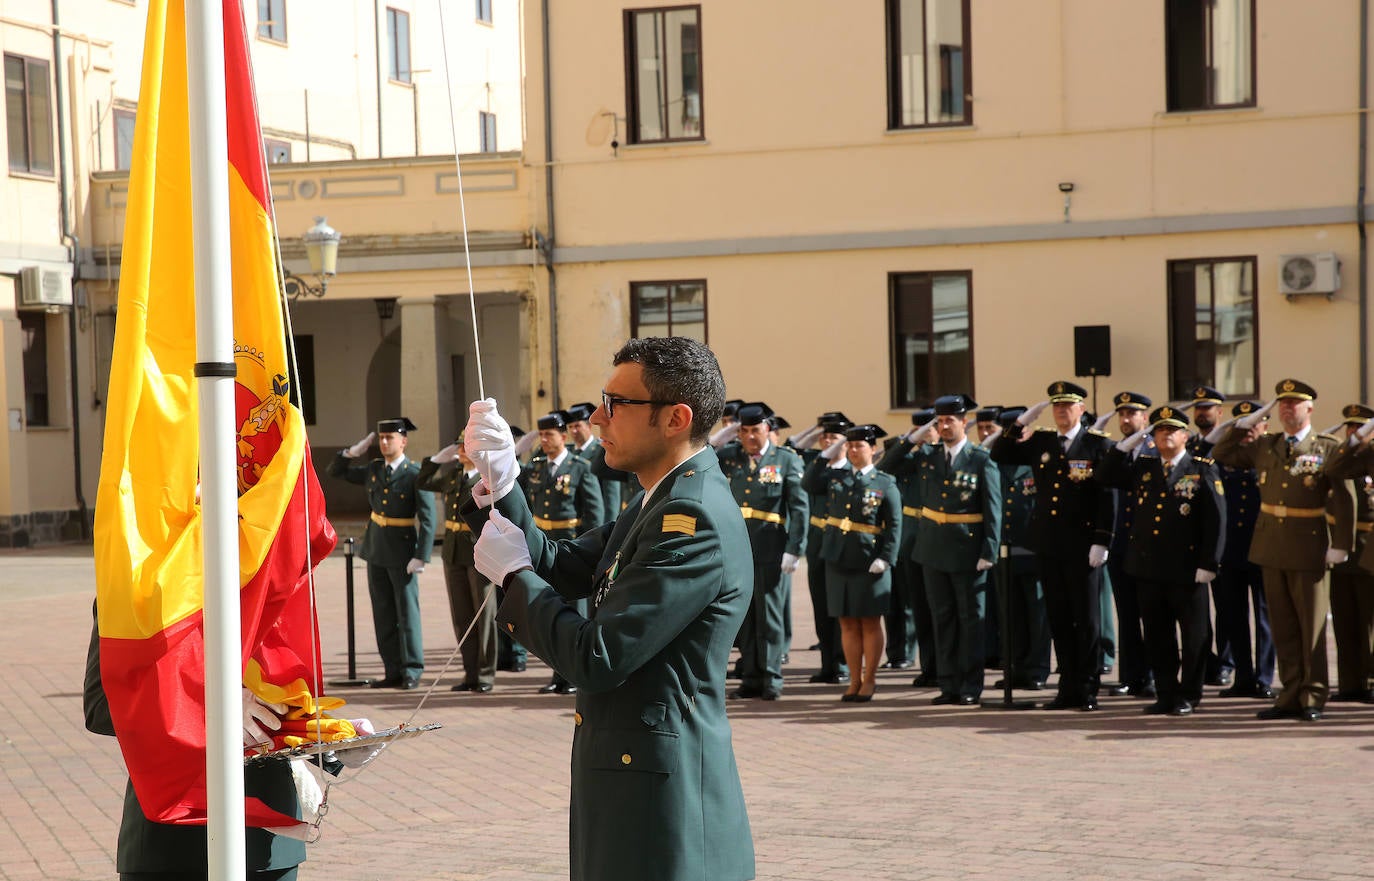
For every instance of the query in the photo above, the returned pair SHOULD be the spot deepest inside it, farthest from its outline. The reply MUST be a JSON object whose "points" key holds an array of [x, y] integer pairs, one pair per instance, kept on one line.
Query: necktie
{"points": [[949, 458], [753, 463], [388, 472], [1064, 442]]}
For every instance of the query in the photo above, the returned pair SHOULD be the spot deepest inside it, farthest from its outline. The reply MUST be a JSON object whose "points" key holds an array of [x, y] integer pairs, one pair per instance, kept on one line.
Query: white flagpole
{"points": [[219, 491]]}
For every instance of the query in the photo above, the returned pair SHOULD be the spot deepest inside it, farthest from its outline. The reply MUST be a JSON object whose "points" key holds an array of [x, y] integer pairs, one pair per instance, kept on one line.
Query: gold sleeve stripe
{"points": [[680, 523]]}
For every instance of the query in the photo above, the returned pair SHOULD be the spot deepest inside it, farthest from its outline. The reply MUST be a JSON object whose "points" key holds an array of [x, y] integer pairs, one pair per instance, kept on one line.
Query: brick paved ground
{"points": [[895, 789]]}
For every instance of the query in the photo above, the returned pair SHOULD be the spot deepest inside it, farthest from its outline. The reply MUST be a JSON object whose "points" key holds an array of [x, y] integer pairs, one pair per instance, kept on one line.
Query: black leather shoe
{"points": [[1121, 689], [550, 688], [512, 667], [1223, 678], [924, 681], [743, 693], [815, 647], [848, 698], [786, 658], [1158, 708], [1269, 713], [464, 686], [830, 678], [1146, 691], [1089, 704], [1062, 703], [965, 700], [1238, 690], [1263, 691], [1182, 708], [482, 688], [734, 673], [1309, 714], [1104, 670], [861, 698], [943, 699], [388, 682], [410, 684], [565, 688], [900, 665], [1347, 696], [771, 695]]}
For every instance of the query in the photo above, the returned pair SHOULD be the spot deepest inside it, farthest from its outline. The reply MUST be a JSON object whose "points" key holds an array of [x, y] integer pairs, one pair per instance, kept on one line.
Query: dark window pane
{"points": [[668, 309], [664, 67], [932, 336], [486, 123], [28, 115], [398, 41], [303, 395], [40, 119], [927, 62], [1209, 47], [33, 329], [272, 20], [16, 116], [1212, 326]]}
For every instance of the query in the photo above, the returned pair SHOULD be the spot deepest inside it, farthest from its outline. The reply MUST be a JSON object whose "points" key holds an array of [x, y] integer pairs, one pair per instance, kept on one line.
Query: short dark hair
{"points": [[683, 371]]}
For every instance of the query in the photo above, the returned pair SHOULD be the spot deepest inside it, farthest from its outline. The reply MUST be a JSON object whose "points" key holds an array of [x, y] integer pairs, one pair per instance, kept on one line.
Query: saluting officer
{"points": [[1292, 543], [909, 628], [1352, 582], [1071, 529], [452, 473], [958, 542], [564, 498], [1173, 552], [396, 545], [1026, 636], [1207, 403], [862, 533], [829, 430], [765, 480], [1133, 664], [1239, 586]]}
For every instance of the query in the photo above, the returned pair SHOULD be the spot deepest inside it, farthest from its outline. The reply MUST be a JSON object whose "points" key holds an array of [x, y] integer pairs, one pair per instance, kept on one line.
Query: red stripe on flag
{"points": [[245, 140]]}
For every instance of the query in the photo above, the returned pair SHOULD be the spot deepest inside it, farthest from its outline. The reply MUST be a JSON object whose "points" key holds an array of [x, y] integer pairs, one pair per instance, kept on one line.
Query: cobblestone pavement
{"points": [[894, 789]]}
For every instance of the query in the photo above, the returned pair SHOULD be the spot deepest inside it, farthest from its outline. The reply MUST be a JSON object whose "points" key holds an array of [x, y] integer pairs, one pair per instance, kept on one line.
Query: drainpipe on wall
{"points": [[377, 80], [548, 206], [1360, 198], [73, 248]]}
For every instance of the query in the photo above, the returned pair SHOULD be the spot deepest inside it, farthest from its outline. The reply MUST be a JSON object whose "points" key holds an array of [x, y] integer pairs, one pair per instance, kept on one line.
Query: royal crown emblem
{"points": [[1166, 413], [1199, 392], [1288, 385], [1059, 388]]}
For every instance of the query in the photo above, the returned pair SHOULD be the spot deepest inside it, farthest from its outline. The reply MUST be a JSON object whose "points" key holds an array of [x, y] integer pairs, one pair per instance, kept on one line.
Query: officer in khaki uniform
{"points": [[1352, 582], [1172, 553], [1292, 542], [396, 545], [960, 536], [765, 480], [452, 473], [564, 497]]}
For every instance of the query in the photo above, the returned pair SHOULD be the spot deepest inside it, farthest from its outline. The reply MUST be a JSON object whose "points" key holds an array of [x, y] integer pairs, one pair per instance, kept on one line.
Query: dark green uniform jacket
{"points": [[871, 502], [655, 789], [399, 498], [569, 500], [456, 485], [771, 499], [904, 467], [950, 498], [1297, 479], [613, 483]]}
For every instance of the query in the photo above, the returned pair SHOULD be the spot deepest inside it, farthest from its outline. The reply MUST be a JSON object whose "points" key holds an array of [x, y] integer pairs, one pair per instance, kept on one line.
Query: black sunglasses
{"points": [[609, 402]]}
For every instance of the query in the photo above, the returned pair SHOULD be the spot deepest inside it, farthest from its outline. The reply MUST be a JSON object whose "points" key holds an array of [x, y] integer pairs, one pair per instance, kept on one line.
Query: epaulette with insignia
{"points": [[1043, 428], [1204, 460], [1329, 436], [1099, 433]]}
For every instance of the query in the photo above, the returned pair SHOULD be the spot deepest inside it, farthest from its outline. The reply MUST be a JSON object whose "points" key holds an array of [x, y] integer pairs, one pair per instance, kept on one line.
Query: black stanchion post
{"points": [[352, 646], [1001, 578]]}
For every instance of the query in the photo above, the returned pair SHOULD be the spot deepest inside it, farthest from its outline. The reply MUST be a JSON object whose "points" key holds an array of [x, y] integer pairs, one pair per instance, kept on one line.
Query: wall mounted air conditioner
{"points": [[41, 288], [1301, 274]]}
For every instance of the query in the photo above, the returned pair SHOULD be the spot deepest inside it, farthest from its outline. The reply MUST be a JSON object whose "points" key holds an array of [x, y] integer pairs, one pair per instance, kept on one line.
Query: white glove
{"points": [[259, 718], [1204, 576], [1364, 431], [724, 436], [491, 447], [361, 446], [914, 436], [1335, 557], [526, 442], [480, 494], [833, 452], [446, 455], [1097, 555], [804, 439], [1215, 435], [500, 549], [415, 565], [1250, 421], [1127, 444], [983, 565], [789, 564], [1032, 413], [992, 436], [1102, 420], [877, 567]]}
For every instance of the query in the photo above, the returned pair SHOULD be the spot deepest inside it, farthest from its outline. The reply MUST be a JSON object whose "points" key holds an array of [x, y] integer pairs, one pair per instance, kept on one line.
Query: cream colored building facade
{"points": [[349, 93], [835, 240]]}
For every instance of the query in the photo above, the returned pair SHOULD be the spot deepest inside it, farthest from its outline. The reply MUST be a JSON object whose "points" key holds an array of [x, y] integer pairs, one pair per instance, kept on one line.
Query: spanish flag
{"points": [[148, 529]]}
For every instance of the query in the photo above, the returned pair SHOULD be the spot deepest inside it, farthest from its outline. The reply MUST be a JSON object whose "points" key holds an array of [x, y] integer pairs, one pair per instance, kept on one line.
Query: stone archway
{"points": [[384, 379]]}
